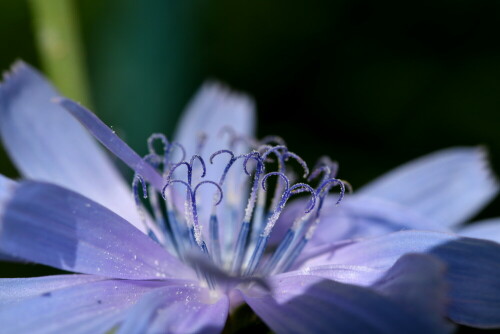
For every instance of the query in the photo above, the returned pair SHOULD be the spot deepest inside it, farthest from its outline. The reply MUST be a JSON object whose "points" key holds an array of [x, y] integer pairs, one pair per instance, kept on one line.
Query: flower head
{"points": [[196, 235]]}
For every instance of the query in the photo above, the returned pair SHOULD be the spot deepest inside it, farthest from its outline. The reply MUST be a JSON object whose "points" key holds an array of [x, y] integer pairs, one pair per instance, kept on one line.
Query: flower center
{"points": [[226, 210]]}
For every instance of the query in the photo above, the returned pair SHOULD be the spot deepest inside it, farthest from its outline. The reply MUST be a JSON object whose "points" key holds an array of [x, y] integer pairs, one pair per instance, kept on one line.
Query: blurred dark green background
{"points": [[372, 84]]}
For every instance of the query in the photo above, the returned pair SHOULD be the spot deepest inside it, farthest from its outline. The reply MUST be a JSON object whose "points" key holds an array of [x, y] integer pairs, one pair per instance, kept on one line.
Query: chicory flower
{"points": [[201, 243]]}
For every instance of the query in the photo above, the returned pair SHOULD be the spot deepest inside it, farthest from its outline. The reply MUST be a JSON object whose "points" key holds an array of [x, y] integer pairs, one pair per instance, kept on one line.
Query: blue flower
{"points": [[203, 240]]}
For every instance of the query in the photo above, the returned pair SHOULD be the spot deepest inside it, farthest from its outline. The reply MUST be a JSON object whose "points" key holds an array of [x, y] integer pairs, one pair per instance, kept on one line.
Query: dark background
{"points": [[372, 84]]}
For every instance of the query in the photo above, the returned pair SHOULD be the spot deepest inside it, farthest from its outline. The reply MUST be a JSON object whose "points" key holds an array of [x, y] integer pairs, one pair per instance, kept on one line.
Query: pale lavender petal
{"points": [[309, 304], [47, 224], [410, 282], [94, 307], [47, 144], [384, 251], [177, 309], [350, 274], [112, 142], [6, 186], [357, 217], [473, 268], [214, 108], [15, 289], [417, 283], [473, 272], [449, 186], [486, 229]]}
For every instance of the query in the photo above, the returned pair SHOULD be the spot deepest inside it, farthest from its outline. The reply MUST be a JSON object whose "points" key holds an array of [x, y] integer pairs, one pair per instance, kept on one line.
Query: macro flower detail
{"points": [[209, 224]]}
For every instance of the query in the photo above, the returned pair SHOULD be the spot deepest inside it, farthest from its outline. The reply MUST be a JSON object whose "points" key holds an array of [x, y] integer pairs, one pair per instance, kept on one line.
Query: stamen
{"points": [[177, 165], [135, 187], [191, 218], [138, 179], [228, 166], [258, 170], [189, 168], [264, 237], [157, 136], [321, 193], [171, 241], [333, 165], [327, 185], [273, 149], [214, 222], [171, 149], [181, 229], [280, 174], [202, 162], [216, 202], [260, 214], [196, 228], [297, 158], [317, 171], [165, 145], [245, 225]]}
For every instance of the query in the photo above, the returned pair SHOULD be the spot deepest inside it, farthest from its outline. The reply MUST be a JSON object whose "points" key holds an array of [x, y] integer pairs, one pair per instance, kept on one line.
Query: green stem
{"points": [[58, 40]]}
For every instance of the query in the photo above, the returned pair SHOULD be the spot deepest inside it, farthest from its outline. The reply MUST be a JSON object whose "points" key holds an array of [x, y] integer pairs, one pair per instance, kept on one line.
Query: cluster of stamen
{"points": [[237, 243]]}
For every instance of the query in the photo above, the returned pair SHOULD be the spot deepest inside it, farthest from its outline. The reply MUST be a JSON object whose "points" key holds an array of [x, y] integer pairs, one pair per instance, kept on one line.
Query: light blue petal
{"points": [[94, 307], [47, 144], [473, 272], [6, 187], [448, 186], [356, 217], [47, 224], [309, 304], [112, 142], [384, 251], [417, 283], [349, 274], [473, 268], [213, 108], [177, 309], [485, 229], [16, 289]]}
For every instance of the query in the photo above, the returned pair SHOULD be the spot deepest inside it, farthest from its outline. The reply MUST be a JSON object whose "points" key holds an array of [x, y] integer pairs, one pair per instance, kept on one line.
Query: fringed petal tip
{"points": [[483, 156], [17, 66], [450, 185], [14, 79], [221, 89]]}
